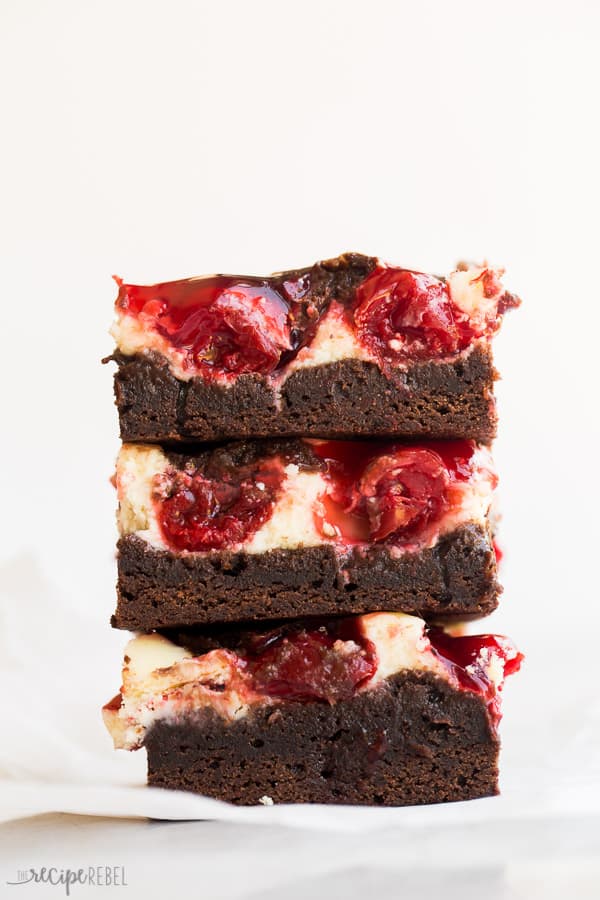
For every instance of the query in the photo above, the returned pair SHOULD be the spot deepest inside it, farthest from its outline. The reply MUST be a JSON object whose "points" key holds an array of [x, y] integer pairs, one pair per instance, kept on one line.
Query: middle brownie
{"points": [[281, 529]]}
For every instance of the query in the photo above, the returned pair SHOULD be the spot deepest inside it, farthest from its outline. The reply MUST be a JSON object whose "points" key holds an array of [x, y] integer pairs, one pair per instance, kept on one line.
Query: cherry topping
{"points": [[330, 660], [311, 664], [209, 514], [403, 492], [404, 316], [244, 330], [226, 325], [466, 658], [219, 323], [380, 491]]}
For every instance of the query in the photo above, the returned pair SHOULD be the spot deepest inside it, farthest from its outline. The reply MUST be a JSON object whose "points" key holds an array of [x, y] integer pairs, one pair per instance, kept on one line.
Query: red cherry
{"points": [[404, 316], [306, 666], [404, 492], [221, 325], [202, 514], [465, 658], [244, 330], [395, 495]]}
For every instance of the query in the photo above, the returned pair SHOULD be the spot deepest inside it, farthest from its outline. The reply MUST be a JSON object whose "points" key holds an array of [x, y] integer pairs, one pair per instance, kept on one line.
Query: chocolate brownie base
{"points": [[415, 739], [338, 400], [159, 589]]}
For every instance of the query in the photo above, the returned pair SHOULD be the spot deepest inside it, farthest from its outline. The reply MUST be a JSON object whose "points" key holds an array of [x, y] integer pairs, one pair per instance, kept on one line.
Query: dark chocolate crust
{"points": [[159, 589], [338, 400], [415, 739]]}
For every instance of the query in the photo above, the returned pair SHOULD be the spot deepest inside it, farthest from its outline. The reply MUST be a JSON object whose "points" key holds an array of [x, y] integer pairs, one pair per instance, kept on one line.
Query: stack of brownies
{"points": [[304, 490]]}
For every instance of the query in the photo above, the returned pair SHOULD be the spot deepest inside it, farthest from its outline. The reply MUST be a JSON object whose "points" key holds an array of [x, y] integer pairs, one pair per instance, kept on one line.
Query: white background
{"points": [[157, 140]]}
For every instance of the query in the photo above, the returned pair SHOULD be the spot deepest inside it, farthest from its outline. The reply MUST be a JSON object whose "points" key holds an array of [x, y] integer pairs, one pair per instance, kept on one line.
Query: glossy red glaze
{"points": [[402, 492], [381, 490], [301, 661], [352, 457], [403, 316], [226, 325], [221, 324], [376, 491], [462, 657], [304, 664], [211, 514]]}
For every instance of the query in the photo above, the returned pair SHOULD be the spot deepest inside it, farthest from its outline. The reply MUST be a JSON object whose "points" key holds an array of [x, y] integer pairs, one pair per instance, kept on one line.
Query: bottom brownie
{"points": [[414, 739], [158, 589]]}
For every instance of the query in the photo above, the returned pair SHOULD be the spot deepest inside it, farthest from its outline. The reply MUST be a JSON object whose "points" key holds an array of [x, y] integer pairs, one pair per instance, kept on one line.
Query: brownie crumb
{"points": [[456, 578], [414, 739]]}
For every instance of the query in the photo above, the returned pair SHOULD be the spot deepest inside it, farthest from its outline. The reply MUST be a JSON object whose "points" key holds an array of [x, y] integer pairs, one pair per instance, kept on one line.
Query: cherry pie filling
{"points": [[199, 513], [375, 492], [328, 662], [226, 326], [405, 317], [315, 665], [332, 661], [466, 658], [221, 325], [389, 492]]}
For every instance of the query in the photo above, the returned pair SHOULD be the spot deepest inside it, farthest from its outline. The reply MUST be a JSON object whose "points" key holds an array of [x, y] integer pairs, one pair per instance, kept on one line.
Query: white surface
{"points": [[550, 859], [158, 140]]}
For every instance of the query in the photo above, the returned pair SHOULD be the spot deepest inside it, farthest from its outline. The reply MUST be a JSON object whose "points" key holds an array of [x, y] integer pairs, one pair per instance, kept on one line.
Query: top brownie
{"points": [[345, 348]]}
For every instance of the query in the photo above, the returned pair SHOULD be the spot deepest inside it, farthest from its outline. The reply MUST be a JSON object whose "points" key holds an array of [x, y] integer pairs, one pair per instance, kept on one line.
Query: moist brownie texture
{"points": [[157, 588], [415, 739], [341, 399]]}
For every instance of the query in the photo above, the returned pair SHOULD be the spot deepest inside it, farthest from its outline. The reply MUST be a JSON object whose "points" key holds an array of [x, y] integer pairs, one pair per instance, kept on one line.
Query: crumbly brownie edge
{"points": [[415, 739], [342, 399], [456, 578]]}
